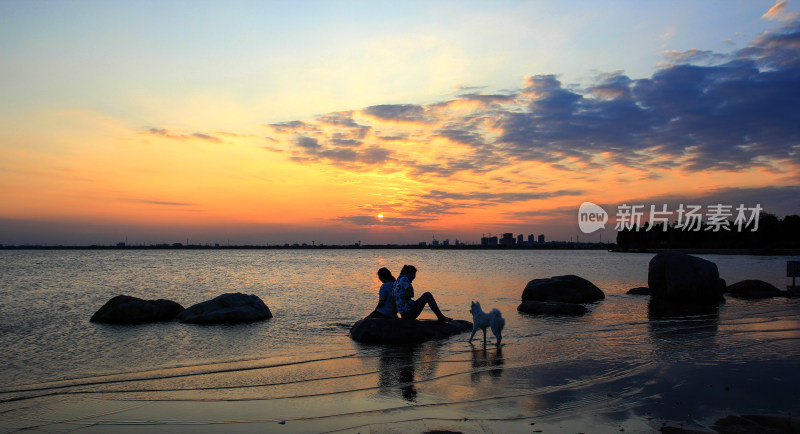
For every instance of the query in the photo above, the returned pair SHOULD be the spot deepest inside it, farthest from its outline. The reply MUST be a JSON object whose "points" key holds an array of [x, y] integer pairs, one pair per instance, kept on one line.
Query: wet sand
{"points": [[414, 389]]}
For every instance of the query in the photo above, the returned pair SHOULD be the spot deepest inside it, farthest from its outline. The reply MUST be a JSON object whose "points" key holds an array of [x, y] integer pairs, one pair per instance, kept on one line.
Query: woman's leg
{"points": [[419, 304]]}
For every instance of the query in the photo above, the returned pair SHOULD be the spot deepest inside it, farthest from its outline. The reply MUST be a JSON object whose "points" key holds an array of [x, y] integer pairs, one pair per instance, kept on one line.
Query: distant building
{"points": [[520, 239], [507, 240], [423, 244], [446, 242], [489, 241], [531, 239], [541, 239]]}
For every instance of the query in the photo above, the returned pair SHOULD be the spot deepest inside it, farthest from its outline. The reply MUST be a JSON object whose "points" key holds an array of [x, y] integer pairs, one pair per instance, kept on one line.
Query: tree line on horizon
{"points": [[772, 233]]}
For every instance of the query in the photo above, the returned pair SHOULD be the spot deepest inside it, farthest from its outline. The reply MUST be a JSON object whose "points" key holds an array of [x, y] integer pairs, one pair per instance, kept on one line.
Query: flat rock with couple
{"points": [[396, 296]]}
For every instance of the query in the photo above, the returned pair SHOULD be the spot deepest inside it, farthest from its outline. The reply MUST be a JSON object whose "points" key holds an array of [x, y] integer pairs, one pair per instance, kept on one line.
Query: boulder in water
{"points": [[641, 290], [676, 276], [226, 309], [565, 289], [403, 331], [124, 309], [754, 289]]}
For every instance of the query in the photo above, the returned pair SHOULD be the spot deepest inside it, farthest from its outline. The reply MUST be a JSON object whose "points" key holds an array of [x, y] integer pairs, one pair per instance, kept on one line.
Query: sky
{"points": [[335, 122]]}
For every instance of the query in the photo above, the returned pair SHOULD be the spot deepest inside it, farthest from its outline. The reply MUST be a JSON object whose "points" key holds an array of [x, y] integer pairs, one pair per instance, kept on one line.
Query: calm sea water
{"points": [[620, 364]]}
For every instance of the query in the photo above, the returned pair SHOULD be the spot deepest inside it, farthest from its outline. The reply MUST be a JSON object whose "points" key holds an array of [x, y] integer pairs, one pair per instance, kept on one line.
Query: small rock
{"points": [[641, 290]]}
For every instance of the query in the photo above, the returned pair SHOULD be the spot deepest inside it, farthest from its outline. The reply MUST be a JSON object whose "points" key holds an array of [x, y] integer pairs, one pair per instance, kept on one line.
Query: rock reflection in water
{"points": [[682, 328]]}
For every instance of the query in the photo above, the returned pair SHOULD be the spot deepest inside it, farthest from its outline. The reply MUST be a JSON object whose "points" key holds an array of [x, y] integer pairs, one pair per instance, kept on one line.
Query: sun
{"points": [[380, 216]]}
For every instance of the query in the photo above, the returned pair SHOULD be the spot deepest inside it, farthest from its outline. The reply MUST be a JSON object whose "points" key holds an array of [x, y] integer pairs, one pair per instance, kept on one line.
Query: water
{"points": [[621, 365]]}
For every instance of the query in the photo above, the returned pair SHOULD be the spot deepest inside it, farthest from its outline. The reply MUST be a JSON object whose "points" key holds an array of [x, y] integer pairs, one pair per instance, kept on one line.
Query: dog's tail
{"points": [[498, 318]]}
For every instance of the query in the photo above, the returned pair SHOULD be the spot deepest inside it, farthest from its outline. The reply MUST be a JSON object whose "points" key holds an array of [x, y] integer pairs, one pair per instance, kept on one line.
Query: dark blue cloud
{"points": [[347, 126], [307, 142], [343, 141], [732, 115], [206, 137], [463, 136], [375, 155], [339, 154], [701, 111], [292, 127], [499, 197], [487, 99], [163, 132], [311, 151], [397, 112]]}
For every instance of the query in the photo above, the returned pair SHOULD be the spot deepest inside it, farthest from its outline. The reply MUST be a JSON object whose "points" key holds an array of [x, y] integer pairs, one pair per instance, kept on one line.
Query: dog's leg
{"points": [[474, 329], [484, 337], [497, 332]]}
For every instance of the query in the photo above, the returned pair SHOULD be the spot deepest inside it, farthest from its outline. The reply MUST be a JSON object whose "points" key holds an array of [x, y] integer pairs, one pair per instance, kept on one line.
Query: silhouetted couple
{"points": [[396, 296]]}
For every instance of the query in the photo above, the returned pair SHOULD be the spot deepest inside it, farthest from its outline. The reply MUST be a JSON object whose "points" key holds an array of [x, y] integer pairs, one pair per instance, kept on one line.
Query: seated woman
{"points": [[406, 306], [385, 307]]}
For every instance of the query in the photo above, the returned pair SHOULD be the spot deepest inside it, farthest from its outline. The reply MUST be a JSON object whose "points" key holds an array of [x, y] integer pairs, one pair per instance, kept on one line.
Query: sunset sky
{"points": [[282, 122]]}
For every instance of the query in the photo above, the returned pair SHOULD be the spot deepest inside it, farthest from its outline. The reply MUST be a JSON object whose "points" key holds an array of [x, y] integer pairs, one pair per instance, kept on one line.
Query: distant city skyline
{"points": [[266, 122]]}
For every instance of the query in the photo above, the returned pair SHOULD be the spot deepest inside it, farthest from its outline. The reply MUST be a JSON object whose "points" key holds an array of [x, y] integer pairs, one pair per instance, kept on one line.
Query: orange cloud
{"points": [[779, 13]]}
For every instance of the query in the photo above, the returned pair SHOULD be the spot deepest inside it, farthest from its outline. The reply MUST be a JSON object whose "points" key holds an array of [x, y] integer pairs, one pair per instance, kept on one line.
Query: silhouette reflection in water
{"points": [[485, 362], [402, 367]]}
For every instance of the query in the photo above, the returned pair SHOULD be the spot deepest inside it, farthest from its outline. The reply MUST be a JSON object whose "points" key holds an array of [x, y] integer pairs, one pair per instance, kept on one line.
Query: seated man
{"points": [[406, 306]]}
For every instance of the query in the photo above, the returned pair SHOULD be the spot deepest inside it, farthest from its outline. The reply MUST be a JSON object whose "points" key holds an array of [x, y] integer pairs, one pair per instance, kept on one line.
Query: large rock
{"points": [[225, 309], [403, 331], [124, 309], [754, 289], [565, 289], [676, 276], [551, 308]]}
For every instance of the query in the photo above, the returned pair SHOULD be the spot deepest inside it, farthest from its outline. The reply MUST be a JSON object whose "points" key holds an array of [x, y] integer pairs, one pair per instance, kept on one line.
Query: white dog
{"points": [[481, 320]]}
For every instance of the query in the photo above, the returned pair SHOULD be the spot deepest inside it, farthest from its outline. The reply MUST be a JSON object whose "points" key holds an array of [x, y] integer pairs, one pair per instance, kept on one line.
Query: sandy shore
{"points": [[420, 390]]}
